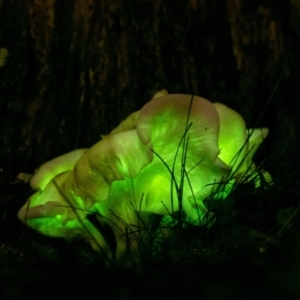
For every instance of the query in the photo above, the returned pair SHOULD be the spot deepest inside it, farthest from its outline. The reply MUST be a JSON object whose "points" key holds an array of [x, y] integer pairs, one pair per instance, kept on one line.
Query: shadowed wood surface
{"points": [[72, 70]]}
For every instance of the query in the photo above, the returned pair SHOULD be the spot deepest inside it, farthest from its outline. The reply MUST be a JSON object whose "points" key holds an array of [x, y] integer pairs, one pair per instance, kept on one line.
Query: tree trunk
{"points": [[72, 70]]}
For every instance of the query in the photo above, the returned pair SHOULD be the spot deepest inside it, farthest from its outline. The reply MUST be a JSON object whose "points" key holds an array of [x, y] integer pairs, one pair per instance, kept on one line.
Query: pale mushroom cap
{"points": [[232, 136], [163, 121], [114, 158], [50, 169]]}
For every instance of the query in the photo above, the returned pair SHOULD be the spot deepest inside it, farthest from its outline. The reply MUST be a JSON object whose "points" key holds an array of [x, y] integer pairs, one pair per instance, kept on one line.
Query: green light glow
{"points": [[150, 164]]}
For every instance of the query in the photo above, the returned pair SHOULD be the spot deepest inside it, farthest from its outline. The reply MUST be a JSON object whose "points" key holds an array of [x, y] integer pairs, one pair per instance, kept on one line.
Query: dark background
{"points": [[75, 69]]}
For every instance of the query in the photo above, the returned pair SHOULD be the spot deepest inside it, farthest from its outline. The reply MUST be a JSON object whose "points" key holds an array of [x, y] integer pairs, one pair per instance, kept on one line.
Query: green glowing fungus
{"points": [[172, 154]]}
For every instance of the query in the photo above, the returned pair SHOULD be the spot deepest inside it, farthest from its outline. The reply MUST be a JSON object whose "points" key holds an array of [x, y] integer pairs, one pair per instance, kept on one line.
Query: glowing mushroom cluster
{"points": [[169, 156]]}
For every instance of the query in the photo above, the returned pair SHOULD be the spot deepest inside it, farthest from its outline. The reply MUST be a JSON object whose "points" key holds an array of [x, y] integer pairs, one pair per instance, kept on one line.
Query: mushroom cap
{"points": [[164, 120], [47, 171], [120, 155], [233, 143]]}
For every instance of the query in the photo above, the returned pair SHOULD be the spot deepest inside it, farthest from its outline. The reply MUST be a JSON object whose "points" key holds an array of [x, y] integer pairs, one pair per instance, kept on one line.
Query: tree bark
{"points": [[72, 70]]}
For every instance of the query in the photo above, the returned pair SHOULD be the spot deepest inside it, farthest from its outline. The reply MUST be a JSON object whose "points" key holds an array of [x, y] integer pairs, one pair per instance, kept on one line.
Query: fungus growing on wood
{"points": [[169, 156]]}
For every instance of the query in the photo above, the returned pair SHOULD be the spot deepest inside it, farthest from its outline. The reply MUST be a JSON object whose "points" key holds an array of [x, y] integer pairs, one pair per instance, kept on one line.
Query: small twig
{"points": [[287, 222], [266, 237]]}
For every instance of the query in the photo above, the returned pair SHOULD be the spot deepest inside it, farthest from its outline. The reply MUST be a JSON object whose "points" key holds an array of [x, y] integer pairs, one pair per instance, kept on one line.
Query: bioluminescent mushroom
{"points": [[169, 156]]}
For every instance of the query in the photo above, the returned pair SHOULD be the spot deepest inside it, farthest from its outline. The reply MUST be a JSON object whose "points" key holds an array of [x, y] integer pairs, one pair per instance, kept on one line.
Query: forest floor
{"points": [[251, 252]]}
